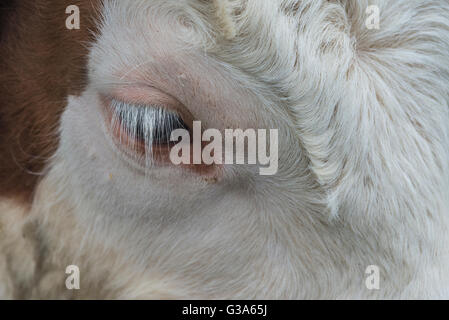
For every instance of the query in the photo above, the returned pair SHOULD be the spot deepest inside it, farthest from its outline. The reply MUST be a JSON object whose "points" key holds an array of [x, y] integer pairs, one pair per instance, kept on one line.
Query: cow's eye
{"points": [[151, 125]]}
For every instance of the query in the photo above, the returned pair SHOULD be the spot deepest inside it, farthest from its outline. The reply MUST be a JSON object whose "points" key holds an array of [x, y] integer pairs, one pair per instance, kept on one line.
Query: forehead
{"points": [[181, 47]]}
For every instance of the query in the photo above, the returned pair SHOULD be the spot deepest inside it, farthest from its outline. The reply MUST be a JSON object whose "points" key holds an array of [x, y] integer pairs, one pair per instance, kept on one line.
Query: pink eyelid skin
{"points": [[148, 96]]}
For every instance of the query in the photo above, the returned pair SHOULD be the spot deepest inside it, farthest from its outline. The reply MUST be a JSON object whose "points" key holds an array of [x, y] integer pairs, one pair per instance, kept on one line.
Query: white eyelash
{"points": [[143, 122]]}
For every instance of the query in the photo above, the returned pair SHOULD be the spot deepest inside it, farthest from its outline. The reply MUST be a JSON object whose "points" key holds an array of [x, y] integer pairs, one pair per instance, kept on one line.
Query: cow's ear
{"points": [[41, 63]]}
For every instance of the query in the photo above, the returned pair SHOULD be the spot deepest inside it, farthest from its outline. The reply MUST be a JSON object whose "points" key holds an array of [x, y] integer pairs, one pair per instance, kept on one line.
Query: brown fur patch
{"points": [[41, 63]]}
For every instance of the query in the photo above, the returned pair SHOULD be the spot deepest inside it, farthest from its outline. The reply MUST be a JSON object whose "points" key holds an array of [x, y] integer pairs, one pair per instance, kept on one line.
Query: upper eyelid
{"points": [[138, 108], [138, 114], [140, 95], [147, 96], [134, 105]]}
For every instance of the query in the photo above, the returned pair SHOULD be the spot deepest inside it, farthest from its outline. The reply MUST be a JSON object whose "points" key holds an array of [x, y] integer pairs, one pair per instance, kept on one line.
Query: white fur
{"points": [[363, 173]]}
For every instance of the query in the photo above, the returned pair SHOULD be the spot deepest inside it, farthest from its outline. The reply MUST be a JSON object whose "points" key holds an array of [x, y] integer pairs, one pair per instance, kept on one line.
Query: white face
{"points": [[154, 60], [327, 210]]}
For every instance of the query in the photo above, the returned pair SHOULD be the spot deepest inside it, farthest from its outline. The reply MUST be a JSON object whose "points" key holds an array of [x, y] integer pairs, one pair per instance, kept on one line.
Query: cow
{"points": [[357, 90]]}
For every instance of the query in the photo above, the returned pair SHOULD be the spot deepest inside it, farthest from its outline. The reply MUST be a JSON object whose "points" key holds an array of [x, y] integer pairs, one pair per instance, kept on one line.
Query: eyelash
{"points": [[147, 124]]}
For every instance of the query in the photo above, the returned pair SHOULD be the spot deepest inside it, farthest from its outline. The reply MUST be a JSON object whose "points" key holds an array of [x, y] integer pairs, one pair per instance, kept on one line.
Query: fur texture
{"points": [[363, 173], [41, 62]]}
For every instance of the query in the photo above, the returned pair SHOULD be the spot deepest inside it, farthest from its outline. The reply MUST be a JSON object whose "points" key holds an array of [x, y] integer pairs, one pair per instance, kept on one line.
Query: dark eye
{"points": [[147, 124], [155, 125]]}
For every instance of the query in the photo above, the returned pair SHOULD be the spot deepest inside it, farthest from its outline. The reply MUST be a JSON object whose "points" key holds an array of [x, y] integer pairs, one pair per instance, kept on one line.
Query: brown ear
{"points": [[6, 7], [41, 63]]}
